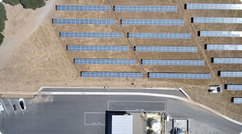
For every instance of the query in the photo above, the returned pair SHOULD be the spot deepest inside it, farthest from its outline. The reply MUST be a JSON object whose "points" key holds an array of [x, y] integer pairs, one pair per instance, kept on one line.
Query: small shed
{"points": [[122, 124]]}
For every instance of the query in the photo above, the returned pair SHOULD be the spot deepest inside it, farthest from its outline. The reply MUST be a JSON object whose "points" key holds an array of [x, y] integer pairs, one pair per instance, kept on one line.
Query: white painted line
{"points": [[95, 124], [11, 106], [20, 107], [144, 94], [163, 102], [4, 106]]}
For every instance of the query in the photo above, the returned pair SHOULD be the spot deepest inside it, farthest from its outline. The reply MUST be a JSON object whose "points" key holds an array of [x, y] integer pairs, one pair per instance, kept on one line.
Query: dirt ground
{"points": [[37, 56]]}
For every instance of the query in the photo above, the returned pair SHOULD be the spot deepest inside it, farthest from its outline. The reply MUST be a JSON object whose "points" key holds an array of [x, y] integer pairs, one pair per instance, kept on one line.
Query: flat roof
{"points": [[122, 124]]}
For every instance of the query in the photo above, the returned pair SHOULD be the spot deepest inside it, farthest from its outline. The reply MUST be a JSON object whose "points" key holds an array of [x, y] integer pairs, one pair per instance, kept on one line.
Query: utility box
{"points": [[215, 89]]}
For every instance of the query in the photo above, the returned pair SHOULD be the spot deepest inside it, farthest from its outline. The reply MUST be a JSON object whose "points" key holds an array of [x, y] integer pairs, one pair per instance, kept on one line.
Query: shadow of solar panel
{"points": [[146, 8], [164, 49], [179, 76], [234, 87], [174, 62], [90, 35], [82, 8], [216, 20], [230, 73], [85, 21], [160, 35], [214, 6], [105, 61], [228, 60], [221, 33], [97, 48], [237, 100], [223, 47], [152, 22], [112, 74]]}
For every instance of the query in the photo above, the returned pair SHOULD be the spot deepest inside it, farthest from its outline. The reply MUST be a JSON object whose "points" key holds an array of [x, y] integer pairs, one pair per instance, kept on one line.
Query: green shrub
{"points": [[3, 15], [33, 4], [12, 2], [2, 25], [1, 38]]}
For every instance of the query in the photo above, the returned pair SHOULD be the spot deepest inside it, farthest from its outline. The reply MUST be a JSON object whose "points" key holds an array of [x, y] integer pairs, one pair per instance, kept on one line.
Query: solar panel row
{"points": [[220, 33], [179, 75], [174, 62], [146, 8], [105, 61], [216, 20], [223, 47], [82, 8], [84, 21], [112, 74], [214, 6], [237, 100], [234, 87], [164, 49], [90, 35], [151, 22], [160, 35], [230, 74], [96, 48], [227, 60]]}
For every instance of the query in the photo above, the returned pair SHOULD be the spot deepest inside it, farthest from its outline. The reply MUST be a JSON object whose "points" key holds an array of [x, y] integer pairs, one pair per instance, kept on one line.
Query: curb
{"points": [[185, 93]]}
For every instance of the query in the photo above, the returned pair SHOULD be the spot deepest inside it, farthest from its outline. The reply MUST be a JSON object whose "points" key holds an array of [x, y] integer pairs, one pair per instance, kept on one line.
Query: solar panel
{"points": [[82, 8], [179, 76], [90, 35], [105, 61], [237, 100], [230, 74], [223, 47], [234, 87], [174, 62], [220, 34], [160, 35], [164, 49], [216, 20], [85, 21], [152, 22], [97, 48], [146, 8], [227, 60], [214, 6], [112, 74]]}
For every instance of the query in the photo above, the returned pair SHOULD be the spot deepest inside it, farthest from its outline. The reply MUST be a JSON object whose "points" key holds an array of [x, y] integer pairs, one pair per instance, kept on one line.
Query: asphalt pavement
{"points": [[85, 114]]}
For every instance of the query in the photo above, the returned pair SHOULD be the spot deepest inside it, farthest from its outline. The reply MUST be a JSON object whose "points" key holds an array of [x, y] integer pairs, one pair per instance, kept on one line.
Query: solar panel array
{"points": [[85, 21], [230, 74], [97, 48], [179, 75], [164, 49], [112, 74], [237, 100], [151, 22], [228, 60], [215, 6], [174, 62], [160, 35], [82, 8], [146, 8], [221, 33], [90, 35], [234, 87], [105, 61], [223, 47], [216, 20]]}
